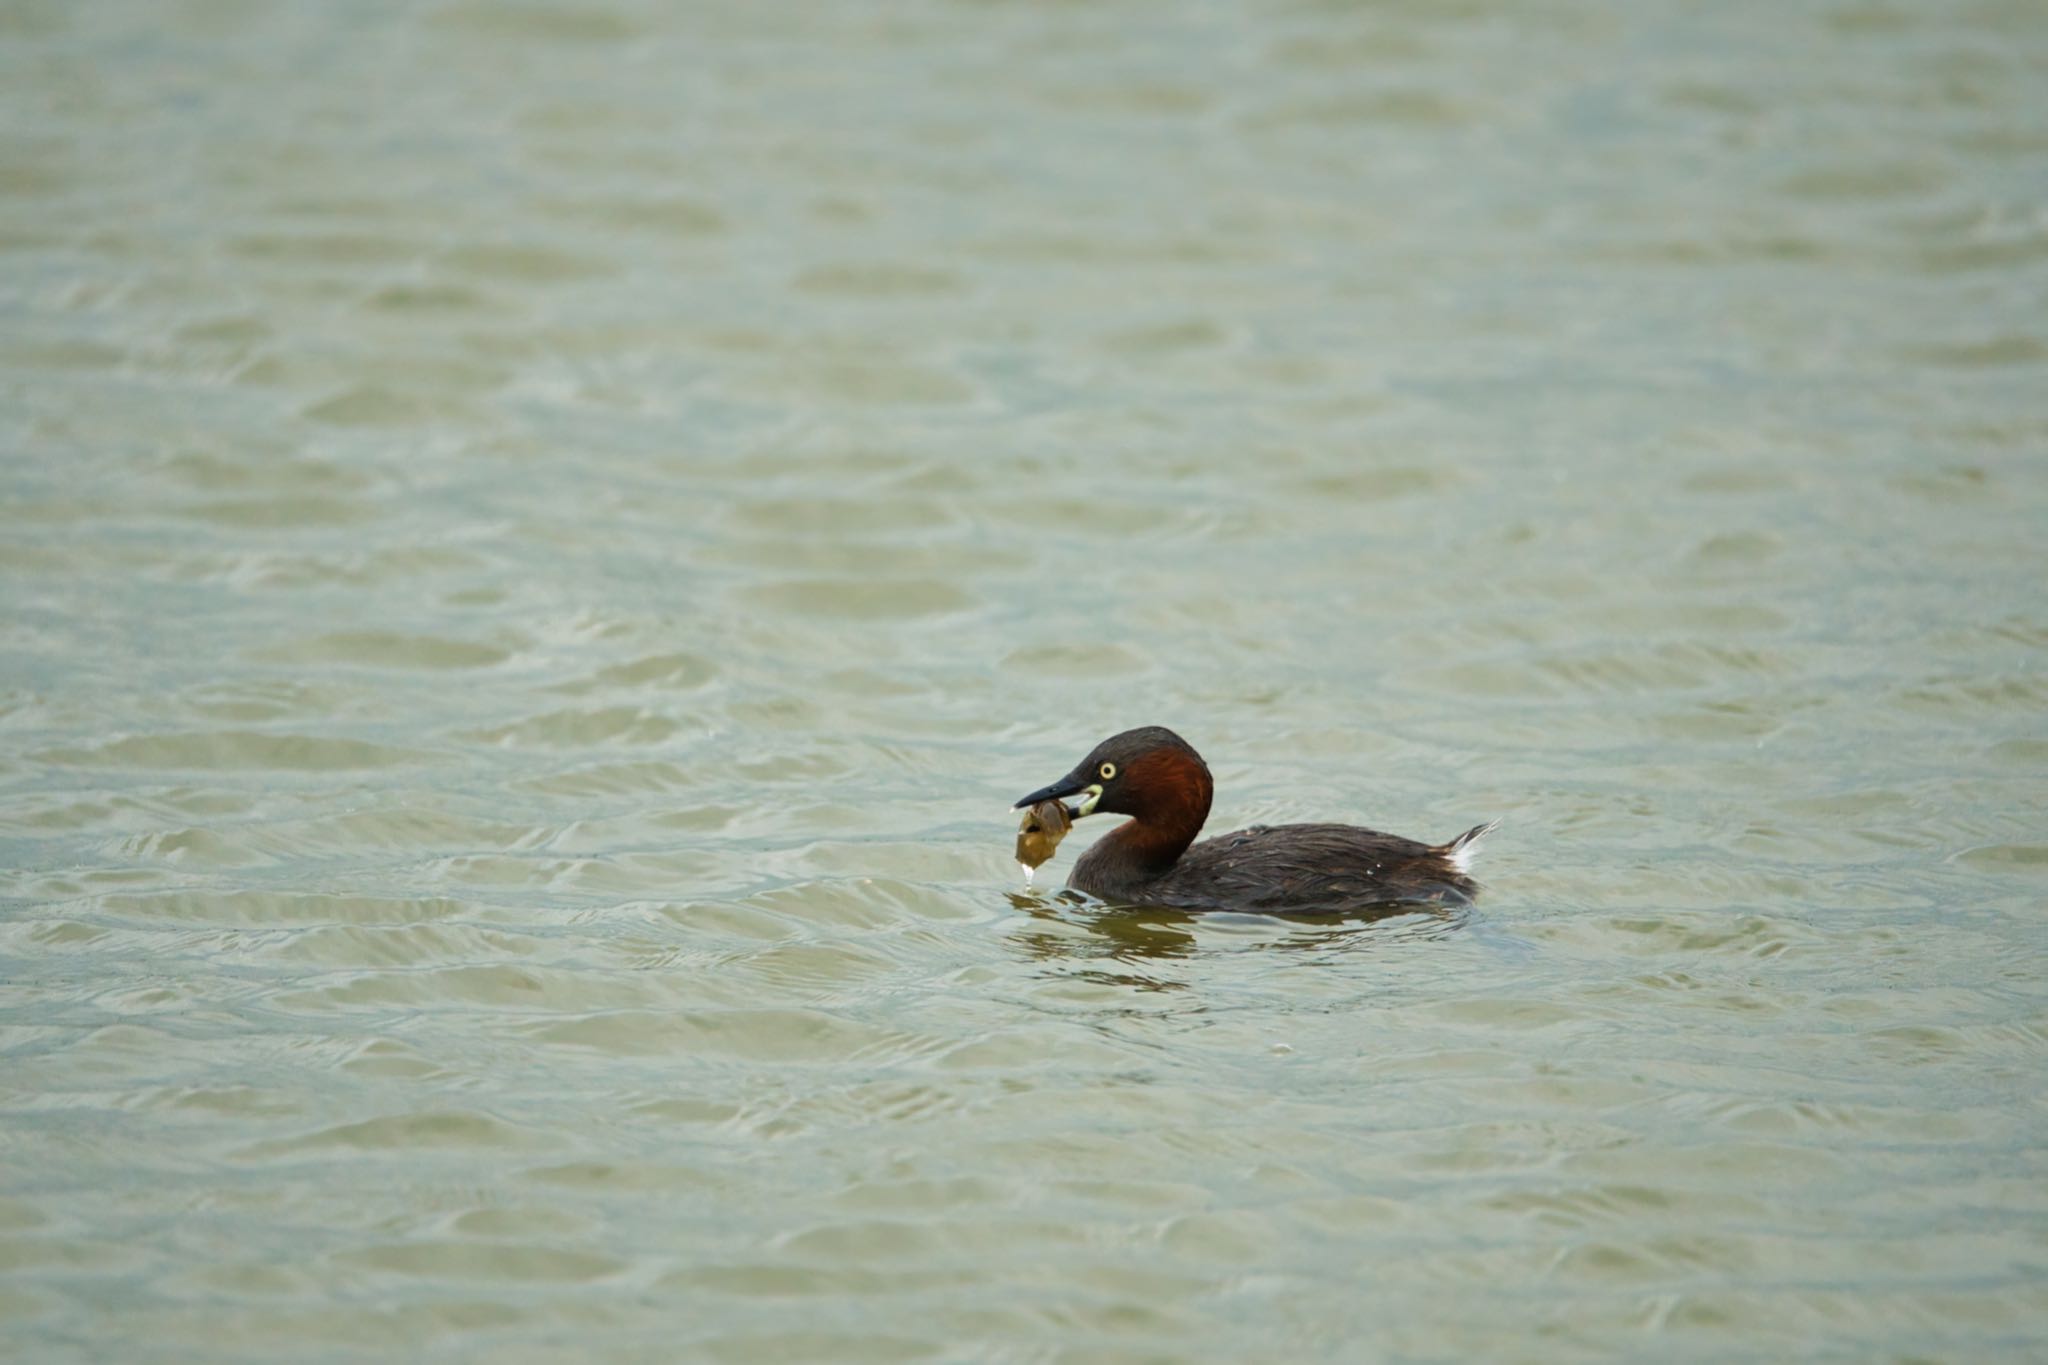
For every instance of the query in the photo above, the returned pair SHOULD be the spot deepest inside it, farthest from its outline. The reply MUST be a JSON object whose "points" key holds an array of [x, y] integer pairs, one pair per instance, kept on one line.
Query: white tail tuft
{"points": [[1460, 850]]}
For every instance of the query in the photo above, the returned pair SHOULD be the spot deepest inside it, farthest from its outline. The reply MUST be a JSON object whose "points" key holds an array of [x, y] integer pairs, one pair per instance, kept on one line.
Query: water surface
{"points": [[542, 539]]}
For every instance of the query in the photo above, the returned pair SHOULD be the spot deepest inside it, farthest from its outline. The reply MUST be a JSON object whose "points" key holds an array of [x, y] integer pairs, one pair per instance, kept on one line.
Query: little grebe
{"points": [[1155, 777]]}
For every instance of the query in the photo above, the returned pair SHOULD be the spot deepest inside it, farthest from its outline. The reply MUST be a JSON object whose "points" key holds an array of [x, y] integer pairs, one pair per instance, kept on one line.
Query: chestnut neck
{"points": [[1169, 793]]}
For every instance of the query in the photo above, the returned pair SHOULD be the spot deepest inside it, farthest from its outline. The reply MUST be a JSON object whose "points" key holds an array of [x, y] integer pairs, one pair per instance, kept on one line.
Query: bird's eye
{"points": [[1108, 770]]}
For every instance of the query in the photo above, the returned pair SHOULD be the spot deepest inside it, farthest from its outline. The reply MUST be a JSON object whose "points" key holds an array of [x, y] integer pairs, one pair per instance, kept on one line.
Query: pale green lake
{"points": [[541, 540]]}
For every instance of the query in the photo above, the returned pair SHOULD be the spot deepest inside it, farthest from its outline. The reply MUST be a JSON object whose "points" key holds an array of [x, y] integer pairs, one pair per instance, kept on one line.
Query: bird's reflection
{"points": [[1080, 930], [1129, 937]]}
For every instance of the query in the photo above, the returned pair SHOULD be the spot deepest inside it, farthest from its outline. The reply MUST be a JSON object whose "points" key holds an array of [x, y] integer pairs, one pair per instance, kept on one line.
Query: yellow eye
{"points": [[1108, 770]]}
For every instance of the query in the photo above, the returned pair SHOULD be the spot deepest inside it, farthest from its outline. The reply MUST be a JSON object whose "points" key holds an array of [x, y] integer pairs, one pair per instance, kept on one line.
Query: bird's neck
{"points": [[1144, 849]]}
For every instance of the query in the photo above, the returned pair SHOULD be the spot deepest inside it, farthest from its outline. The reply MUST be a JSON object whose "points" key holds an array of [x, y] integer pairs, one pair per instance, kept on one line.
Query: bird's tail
{"points": [[1460, 850]]}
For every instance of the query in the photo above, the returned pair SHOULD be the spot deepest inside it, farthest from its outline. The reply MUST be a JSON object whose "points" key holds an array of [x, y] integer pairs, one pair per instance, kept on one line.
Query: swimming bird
{"points": [[1154, 776]]}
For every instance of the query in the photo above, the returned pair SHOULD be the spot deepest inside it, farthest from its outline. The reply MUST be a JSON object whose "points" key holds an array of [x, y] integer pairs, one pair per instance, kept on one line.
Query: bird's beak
{"points": [[1073, 784]]}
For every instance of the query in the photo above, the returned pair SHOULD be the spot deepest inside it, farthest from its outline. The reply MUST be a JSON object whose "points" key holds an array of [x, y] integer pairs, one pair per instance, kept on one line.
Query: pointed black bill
{"points": [[1069, 785]]}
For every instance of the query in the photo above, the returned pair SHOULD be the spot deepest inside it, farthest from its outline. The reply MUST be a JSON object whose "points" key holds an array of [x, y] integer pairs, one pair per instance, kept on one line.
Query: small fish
{"points": [[1045, 824]]}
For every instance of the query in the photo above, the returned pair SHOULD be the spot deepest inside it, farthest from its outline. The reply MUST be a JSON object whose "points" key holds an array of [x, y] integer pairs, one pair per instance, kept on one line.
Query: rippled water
{"points": [[541, 540]]}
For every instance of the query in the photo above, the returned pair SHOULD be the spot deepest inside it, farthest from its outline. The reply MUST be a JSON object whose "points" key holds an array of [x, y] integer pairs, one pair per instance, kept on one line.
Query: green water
{"points": [[542, 539]]}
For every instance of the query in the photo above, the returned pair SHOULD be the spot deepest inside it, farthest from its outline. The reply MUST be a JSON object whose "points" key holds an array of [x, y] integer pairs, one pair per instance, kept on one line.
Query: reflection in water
{"points": [[1132, 937], [1082, 930]]}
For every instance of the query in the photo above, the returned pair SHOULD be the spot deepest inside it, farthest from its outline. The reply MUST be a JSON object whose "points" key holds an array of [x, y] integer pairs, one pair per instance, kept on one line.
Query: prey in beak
{"points": [[1048, 817], [1038, 838]]}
